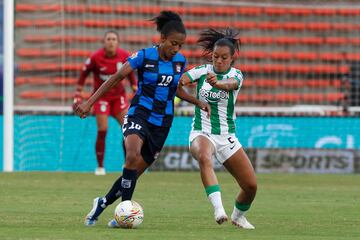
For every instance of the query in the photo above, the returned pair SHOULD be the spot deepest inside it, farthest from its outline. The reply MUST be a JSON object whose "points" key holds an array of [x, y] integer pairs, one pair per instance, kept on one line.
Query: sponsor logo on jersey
{"points": [[214, 96], [119, 65], [149, 65], [178, 67], [105, 77]]}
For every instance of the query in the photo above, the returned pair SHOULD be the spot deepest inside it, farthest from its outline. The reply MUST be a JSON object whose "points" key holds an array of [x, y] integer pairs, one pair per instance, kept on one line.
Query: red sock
{"points": [[100, 147]]}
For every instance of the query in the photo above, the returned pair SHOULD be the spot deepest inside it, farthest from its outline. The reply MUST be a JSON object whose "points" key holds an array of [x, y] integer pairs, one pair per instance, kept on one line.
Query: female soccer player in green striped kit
{"points": [[218, 84]]}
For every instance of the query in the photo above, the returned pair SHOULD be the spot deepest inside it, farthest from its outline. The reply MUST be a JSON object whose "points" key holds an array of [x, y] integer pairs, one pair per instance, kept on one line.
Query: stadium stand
{"points": [[290, 55]]}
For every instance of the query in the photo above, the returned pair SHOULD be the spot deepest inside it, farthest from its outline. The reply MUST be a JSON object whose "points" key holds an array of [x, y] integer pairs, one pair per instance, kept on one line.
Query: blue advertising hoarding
{"points": [[66, 143]]}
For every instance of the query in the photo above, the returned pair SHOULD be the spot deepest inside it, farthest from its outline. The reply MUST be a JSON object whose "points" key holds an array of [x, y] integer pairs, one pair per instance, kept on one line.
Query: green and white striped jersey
{"points": [[222, 119]]}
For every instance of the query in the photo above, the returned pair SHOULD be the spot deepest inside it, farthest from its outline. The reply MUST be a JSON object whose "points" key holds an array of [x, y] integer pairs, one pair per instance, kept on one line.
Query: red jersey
{"points": [[103, 68]]}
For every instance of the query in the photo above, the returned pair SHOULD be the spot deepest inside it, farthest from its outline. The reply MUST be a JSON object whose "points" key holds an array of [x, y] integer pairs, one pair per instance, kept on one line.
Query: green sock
{"points": [[242, 206], [211, 189]]}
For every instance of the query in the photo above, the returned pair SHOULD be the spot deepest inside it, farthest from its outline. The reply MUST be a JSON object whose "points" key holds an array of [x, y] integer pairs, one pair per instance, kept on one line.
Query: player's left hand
{"points": [[211, 78], [205, 107], [134, 88]]}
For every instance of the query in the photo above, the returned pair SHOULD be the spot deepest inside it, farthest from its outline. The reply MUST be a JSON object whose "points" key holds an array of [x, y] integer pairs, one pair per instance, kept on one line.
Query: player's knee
{"points": [[204, 160], [251, 188], [132, 157]]}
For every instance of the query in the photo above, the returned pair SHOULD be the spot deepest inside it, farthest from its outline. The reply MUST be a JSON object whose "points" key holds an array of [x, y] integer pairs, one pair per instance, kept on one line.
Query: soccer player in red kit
{"points": [[103, 63]]}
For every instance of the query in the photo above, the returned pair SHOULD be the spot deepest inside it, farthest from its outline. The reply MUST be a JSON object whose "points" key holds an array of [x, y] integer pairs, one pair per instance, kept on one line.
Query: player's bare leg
{"points": [[202, 150], [241, 169], [102, 126]]}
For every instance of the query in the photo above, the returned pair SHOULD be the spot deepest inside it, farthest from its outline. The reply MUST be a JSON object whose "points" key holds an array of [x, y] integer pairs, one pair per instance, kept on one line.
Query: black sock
{"points": [[114, 193], [128, 183]]}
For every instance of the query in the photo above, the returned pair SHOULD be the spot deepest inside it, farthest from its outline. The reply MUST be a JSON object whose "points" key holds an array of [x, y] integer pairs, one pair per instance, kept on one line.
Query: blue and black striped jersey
{"points": [[157, 83]]}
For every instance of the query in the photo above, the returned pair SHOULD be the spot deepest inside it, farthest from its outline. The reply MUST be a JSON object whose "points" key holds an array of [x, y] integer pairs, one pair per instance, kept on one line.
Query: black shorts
{"points": [[153, 136]]}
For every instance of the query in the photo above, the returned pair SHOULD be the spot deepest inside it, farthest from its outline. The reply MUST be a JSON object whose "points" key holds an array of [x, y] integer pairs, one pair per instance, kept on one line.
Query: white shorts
{"points": [[225, 145]]}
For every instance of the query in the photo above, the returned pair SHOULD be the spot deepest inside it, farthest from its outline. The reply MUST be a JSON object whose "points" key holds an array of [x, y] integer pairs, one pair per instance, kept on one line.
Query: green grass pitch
{"points": [[299, 206]]}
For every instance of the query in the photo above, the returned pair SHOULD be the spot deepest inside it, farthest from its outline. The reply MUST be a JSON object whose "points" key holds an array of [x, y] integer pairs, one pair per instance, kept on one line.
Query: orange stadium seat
{"points": [[275, 11], [281, 55], [26, 7], [287, 40], [191, 39], [298, 69], [288, 97], [70, 23], [202, 11], [267, 83], [218, 24], [52, 52], [269, 25], [311, 40], [321, 83], [348, 11], [65, 81], [136, 39], [318, 26], [293, 26], [75, 8], [354, 41], [224, 11], [352, 56], [324, 69], [100, 8], [254, 54], [32, 80], [306, 56], [85, 38], [334, 97], [51, 8], [140, 23], [336, 40], [313, 97], [262, 97], [121, 8], [36, 38], [250, 11], [330, 56], [28, 52], [244, 25], [249, 68], [258, 40], [29, 94], [325, 11], [344, 26], [300, 11], [196, 24], [78, 53], [271, 68], [45, 23], [46, 66], [25, 66], [149, 9], [23, 23], [293, 83], [71, 66], [243, 97]]}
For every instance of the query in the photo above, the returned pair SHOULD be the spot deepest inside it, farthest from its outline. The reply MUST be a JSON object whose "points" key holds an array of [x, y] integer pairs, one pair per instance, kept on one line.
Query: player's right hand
{"points": [[78, 99], [82, 110]]}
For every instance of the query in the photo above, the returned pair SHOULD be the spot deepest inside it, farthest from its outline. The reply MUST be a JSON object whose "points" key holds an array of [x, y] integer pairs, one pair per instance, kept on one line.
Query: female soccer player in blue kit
{"points": [[152, 109]]}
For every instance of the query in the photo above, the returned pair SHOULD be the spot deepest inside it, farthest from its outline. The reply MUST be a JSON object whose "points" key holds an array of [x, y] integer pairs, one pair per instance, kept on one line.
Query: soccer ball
{"points": [[129, 214]]}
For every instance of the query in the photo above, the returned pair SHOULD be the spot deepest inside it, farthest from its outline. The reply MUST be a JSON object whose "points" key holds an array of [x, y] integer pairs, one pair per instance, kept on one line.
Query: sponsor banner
{"points": [[305, 161], [179, 159]]}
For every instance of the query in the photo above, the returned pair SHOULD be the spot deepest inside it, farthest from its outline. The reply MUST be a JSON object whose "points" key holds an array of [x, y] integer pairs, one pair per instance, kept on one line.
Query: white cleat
{"points": [[242, 222], [220, 216], [100, 171]]}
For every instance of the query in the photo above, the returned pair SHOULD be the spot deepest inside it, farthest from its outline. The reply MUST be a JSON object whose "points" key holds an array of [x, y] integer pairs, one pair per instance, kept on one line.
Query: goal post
{"points": [[8, 137]]}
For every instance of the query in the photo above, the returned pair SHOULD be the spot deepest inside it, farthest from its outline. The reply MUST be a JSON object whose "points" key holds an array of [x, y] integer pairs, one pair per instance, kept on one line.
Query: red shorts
{"points": [[111, 106]]}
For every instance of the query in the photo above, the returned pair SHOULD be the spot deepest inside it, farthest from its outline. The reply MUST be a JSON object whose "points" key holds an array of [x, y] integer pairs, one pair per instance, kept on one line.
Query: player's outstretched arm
{"points": [[184, 95], [83, 109]]}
